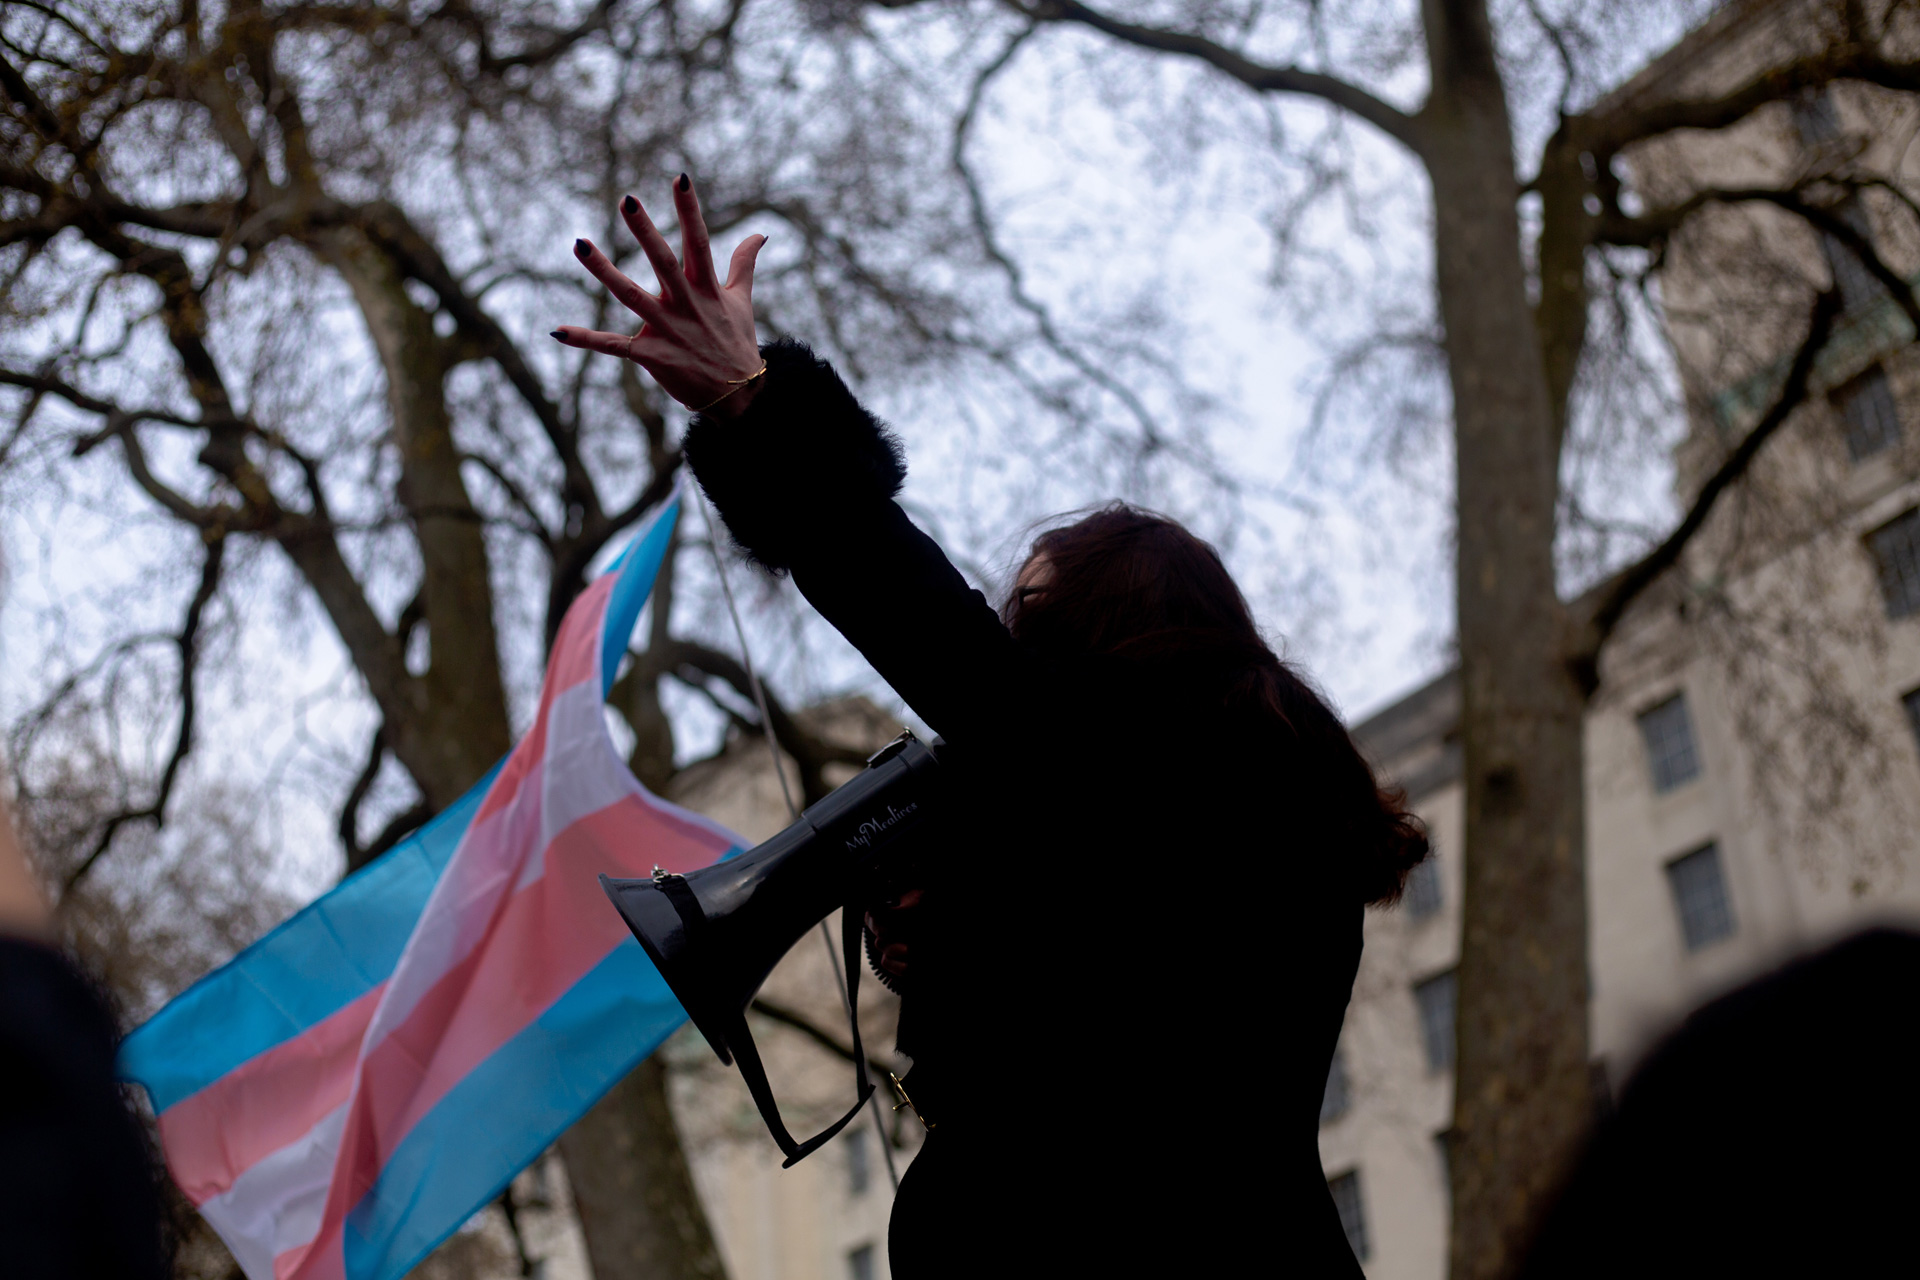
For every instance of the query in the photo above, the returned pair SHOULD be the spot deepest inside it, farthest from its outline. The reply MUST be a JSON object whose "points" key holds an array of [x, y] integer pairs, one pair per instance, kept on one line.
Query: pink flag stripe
{"points": [[277, 1098], [549, 936], [484, 869], [516, 920], [320, 1258], [215, 1135], [434, 973], [575, 660], [337, 1099]]}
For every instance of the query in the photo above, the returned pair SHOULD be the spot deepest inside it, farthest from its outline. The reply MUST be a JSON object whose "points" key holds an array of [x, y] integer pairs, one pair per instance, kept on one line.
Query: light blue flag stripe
{"points": [[509, 1109], [346, 942]]}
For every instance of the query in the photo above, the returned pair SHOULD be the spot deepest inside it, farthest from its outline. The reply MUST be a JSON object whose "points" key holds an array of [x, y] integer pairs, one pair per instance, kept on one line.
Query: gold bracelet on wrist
{"points": [[733, 385]]}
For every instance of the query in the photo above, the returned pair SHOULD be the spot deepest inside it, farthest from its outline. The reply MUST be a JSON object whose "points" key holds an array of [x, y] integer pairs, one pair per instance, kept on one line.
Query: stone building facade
{"points": [[1753, 757]]}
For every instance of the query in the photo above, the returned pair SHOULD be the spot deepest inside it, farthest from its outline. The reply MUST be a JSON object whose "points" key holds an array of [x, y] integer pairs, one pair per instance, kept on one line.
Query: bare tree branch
{"points": [[571, 560], [1257, 76], [46, 384], [1655, 225], [188, 644], [810, 751], [394, 831], [1613, 127], [799, 1022], [1151, 439], [1612, 601]]}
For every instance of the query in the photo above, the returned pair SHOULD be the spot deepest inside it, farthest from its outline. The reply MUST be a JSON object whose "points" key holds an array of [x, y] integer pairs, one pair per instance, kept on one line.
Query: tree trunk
{"points": [[1521, 1088], [632, 1188], [454, 724], [637, 1204]]}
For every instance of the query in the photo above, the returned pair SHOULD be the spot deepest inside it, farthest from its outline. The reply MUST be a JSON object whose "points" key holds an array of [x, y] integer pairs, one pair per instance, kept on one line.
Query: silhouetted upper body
{"points": [[1773, 1134], [1134, 947], [77, 1196], [78, 1199], [1140, 938]]}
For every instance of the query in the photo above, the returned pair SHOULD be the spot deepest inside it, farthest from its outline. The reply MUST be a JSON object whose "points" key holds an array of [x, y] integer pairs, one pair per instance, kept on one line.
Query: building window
{"points": [[1435, 1000], [1857, 286], [1423, 888], [859, 1162], [1896, 547], [1338, 1097], [1912, 701], [1816, 117], [1700, 896], [1668, 734], [1869, 414], [1819, 124], [860, 1263], [1669, 737], [1353, 1214]]}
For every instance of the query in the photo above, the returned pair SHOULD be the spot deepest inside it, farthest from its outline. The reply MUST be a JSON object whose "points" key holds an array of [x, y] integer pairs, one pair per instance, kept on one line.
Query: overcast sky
{"points": [[1344, 553]]}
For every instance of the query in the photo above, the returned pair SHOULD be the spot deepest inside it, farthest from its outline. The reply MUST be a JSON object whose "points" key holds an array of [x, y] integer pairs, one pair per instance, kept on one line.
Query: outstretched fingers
{"points": [[630, 295], [695, 249], [653, 244], [740, 269], [608, 344]]}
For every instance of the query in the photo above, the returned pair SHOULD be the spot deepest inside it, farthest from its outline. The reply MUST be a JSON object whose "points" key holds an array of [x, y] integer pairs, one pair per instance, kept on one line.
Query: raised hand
{"points": [[697, 337]]}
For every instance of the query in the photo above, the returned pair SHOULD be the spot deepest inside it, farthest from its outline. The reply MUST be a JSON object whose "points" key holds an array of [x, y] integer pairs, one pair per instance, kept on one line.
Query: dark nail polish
{"points": [[686, 183], [557, 336], [581, 248], [629, 205]]}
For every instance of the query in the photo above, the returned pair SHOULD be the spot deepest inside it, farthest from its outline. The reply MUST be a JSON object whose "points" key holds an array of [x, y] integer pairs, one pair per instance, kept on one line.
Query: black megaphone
{"points": [[716, 933]]}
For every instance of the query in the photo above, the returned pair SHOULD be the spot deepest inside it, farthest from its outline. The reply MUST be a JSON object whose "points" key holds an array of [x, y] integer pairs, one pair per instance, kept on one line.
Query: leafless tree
{"points": [[280, 270], [276, 283], [1546, 260]]}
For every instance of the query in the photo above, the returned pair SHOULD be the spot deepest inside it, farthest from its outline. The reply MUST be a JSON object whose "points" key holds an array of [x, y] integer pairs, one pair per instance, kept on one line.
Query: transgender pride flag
{"points": [[351, 1088]]}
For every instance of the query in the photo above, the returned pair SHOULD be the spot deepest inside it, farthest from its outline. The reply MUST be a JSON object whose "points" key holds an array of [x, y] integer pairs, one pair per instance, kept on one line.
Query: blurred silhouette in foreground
{"points": [[77, 1197], [1775, 1133]]}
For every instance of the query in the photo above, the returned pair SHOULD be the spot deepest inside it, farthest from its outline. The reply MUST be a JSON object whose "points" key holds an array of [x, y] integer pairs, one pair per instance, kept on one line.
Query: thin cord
{"points": [[793, 810], [746, 654]]}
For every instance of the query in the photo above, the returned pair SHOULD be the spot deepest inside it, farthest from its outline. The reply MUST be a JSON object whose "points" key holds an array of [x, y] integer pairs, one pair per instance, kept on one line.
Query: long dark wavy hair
{"points": [[1130, 584]]}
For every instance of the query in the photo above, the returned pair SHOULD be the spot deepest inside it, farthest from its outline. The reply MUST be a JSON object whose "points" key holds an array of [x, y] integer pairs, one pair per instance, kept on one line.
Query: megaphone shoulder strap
{"points": [[746, 1056]]}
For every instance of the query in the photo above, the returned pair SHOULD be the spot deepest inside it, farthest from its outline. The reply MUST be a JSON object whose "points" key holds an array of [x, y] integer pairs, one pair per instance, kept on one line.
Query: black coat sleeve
{"points": [[805, 480]]}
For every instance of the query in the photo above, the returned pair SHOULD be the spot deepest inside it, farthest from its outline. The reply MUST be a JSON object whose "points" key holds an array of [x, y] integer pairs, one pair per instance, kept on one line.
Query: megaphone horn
{"points": [[715, 934]]}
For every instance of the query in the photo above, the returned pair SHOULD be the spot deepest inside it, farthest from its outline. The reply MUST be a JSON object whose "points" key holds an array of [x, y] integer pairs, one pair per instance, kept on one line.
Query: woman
{"points": [[1125, 974]]}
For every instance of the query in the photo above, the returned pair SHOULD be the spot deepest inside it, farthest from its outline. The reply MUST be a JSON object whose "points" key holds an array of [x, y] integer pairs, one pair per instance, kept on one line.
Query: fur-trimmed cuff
{"points": [[802, 455]]}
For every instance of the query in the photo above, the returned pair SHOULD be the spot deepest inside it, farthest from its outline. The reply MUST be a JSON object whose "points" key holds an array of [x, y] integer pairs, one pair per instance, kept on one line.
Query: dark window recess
{"points": [[1858, 288], [860, 1263], [1423, 888], [1912, 701], [1869, 414], [859, 1162], [1668, 734], [1700, 896], [1338, 1098], [1435, 998], [1819, 124], [1814, 115], [1353, 1213], [1896, 548]]}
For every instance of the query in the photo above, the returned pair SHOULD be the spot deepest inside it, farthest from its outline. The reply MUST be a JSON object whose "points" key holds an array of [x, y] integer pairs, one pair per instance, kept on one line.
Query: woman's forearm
{"points": [[805, 479]]}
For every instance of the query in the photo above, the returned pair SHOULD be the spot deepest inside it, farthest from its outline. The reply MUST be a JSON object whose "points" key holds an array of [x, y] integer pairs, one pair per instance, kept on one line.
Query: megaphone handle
{"points": [[746, 1056]]}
